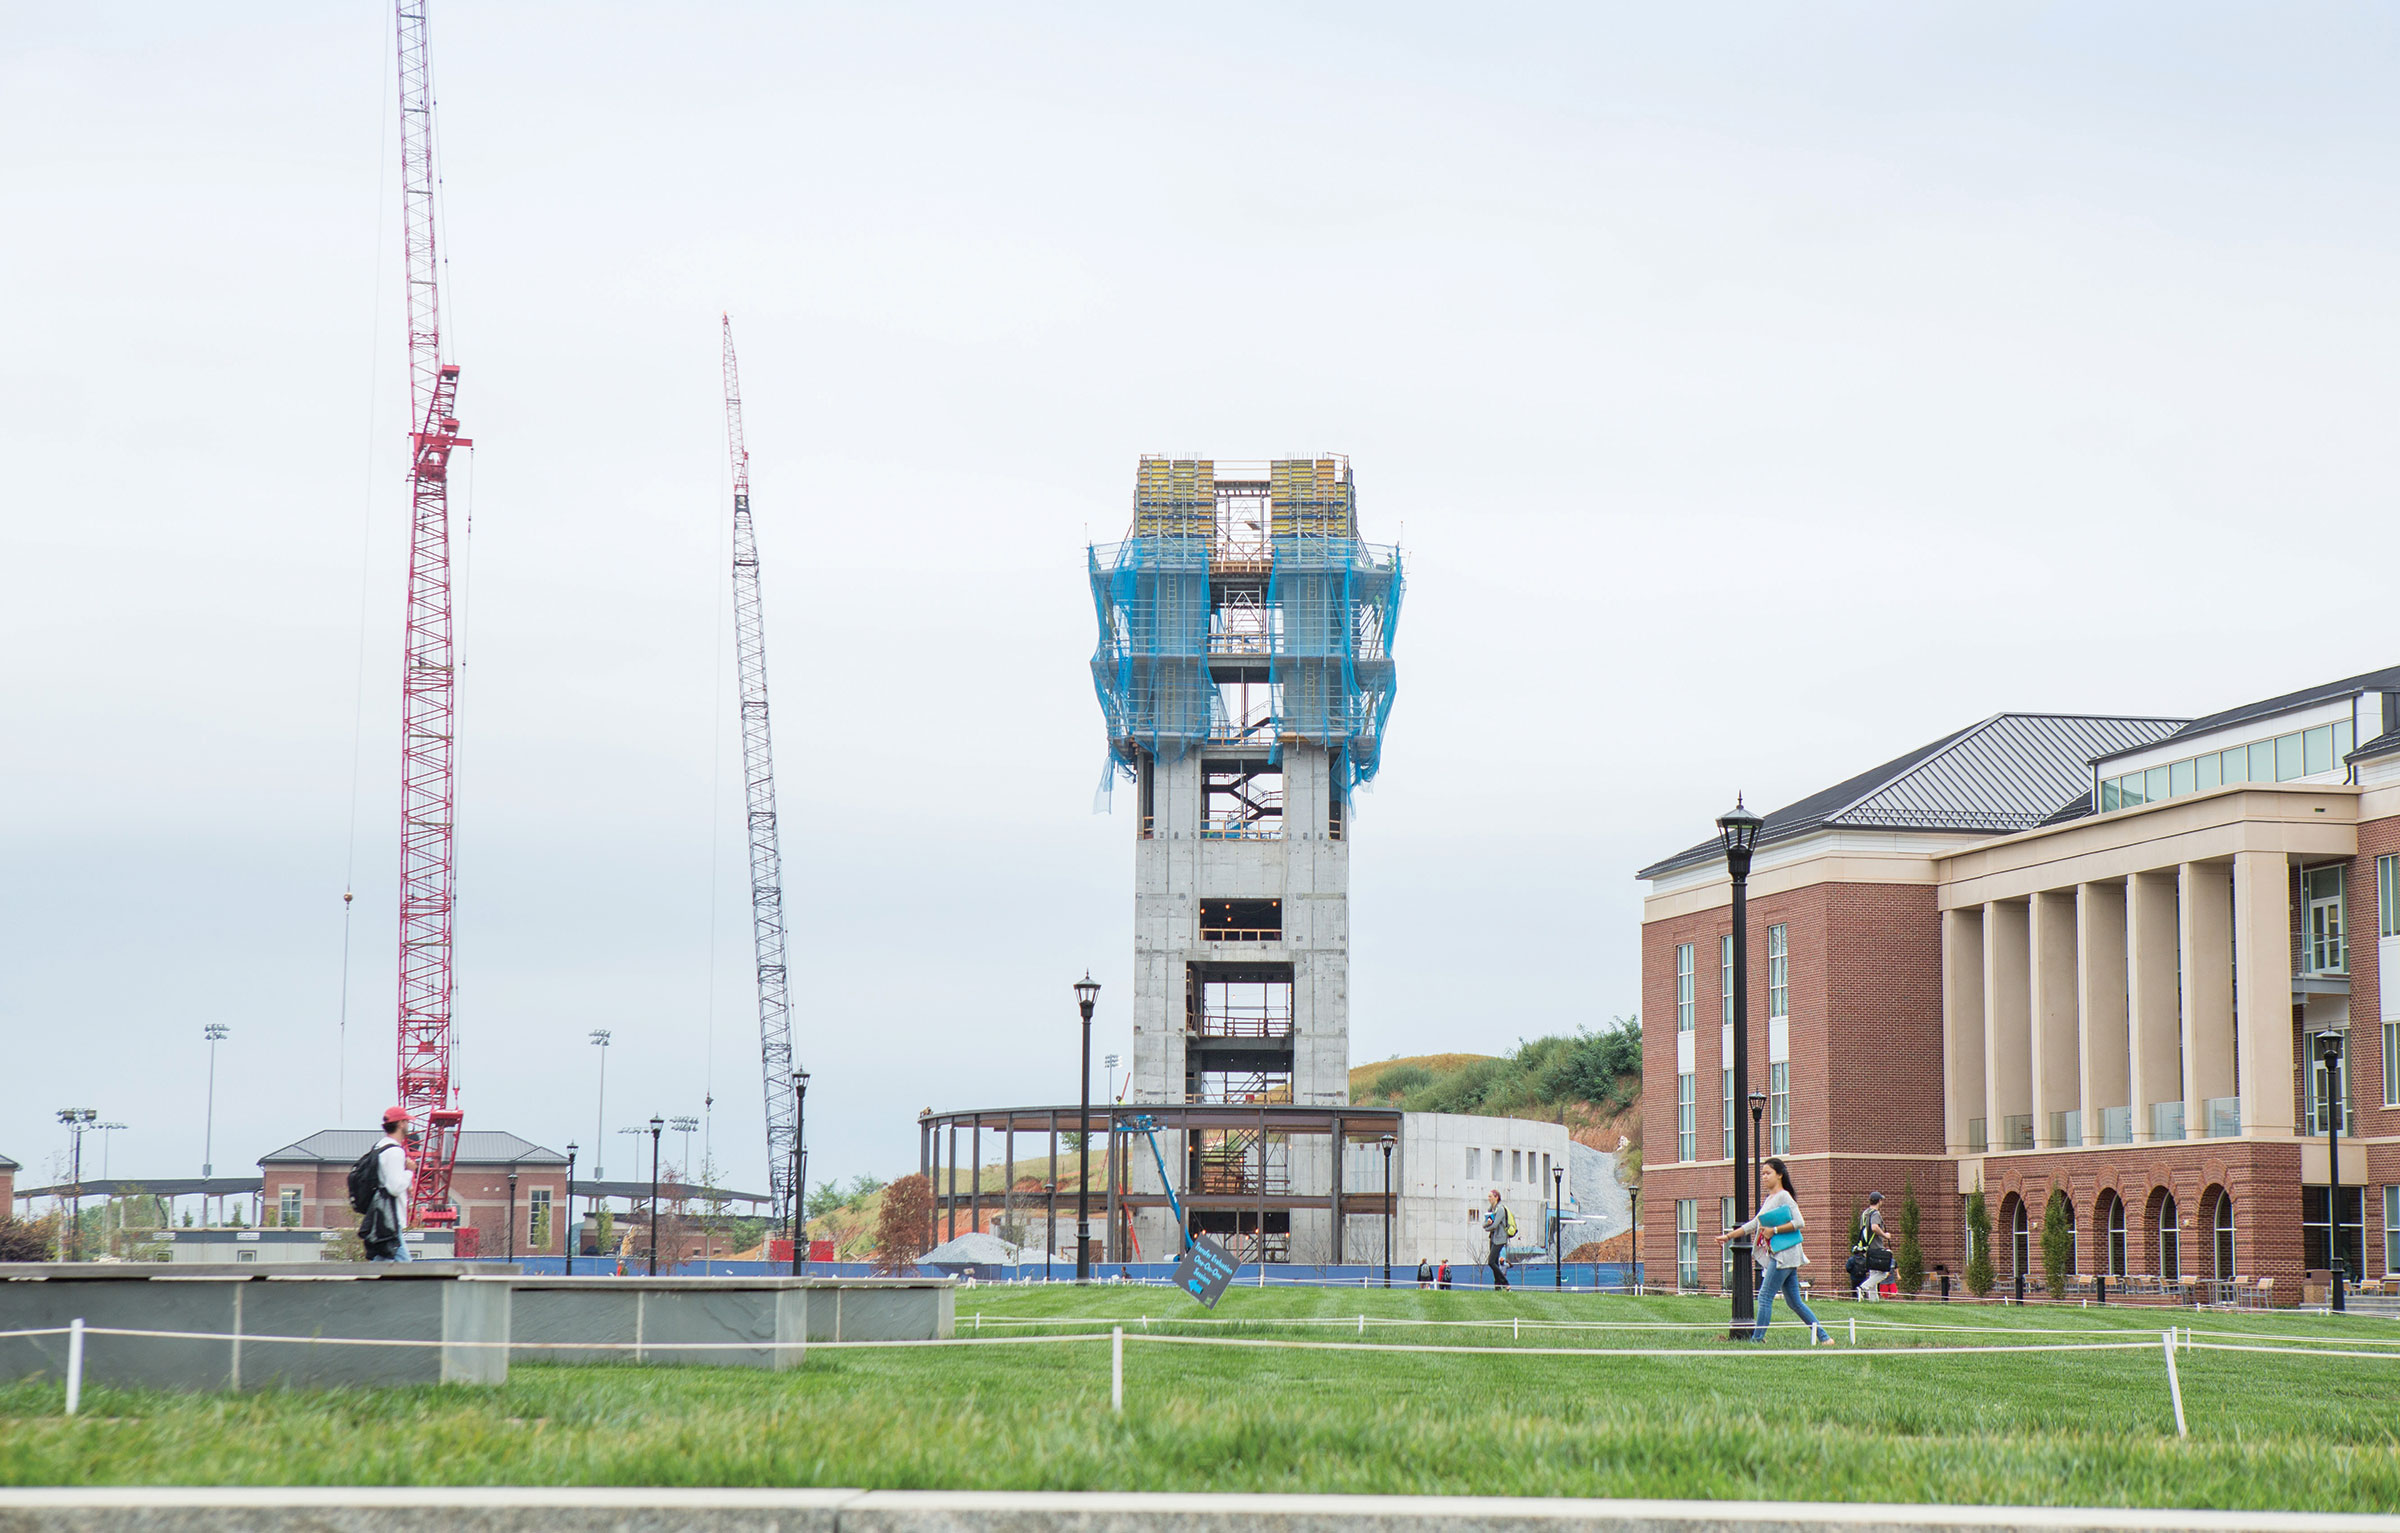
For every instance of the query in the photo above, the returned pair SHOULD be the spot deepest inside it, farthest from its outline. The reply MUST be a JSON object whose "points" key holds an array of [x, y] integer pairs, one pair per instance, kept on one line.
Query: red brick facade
{"points": [[1866, 1067]]}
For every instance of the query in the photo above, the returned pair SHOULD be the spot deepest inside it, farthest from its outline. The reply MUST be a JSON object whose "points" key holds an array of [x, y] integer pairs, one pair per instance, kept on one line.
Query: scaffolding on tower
{"points": [[766, 848], [429, 674]]}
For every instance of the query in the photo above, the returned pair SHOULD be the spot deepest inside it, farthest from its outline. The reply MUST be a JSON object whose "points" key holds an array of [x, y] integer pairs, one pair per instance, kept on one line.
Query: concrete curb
{"points": [[506, 1509]]}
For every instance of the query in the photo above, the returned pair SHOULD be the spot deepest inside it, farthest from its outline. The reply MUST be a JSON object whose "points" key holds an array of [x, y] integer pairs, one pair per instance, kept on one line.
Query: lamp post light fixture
{"points": [[1387, 1142], [1758, 1113], [1737, 833], [658, 1126], [600, 1037], [1558, 1226], [2329, 1051], [567, 1236], [1087, 995], [1633, 1274], [799, 1162]]}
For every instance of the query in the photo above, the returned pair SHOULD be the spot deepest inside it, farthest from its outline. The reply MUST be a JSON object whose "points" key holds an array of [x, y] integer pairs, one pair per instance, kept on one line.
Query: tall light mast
{"points": [[766, 848], [429, 675]]}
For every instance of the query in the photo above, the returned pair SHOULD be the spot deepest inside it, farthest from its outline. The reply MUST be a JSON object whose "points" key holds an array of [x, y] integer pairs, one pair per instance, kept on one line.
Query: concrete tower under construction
{"points": [[1245, 674]]}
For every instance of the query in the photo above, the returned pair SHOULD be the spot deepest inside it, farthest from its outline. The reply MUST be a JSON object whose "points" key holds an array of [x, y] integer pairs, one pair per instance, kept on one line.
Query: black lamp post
{"points": [[2329, 1050], [1387, 1142], [799, 1162], [1758, 1113], [512, 1210], [658, 1126], [1558, 1226], [1049, 1227], [1737, 832], [1634, 1208], [567, 1236], [1087, 994]]}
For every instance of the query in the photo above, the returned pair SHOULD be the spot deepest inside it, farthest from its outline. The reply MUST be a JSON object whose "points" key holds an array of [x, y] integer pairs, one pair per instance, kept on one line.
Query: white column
{"points": [[2155, 1042], [2007, 1040], [2262, 990], [2100, 997], [1963, 1045], [2207, 939], [2057, 1075]]}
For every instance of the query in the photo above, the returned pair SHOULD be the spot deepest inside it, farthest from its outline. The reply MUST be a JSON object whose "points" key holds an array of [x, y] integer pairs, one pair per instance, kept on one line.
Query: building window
{"points": [[2313, 1203], [1726, 1079], [1684, 981], [1474, 1165], [1687, 1243], [1725, 981], [2170, 1241], [2387, 894], [2020, 1244], [287, 1210], [537, 1219], [2391, 1230], [2322, 888], [1779, 1108], [2316, 1089], [1516, 1166], [1687, 1129], [1779, 972], [2224, 1240], [2303, 753], [2116, 1237]]}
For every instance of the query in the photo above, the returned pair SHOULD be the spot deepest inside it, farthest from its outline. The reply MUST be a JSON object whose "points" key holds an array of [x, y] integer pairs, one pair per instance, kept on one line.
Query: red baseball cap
{"points": [[392, 1115]]}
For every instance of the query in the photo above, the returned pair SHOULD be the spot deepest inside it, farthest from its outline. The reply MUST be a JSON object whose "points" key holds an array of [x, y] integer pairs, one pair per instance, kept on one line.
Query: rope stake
{"points": [[2166, 1341]]}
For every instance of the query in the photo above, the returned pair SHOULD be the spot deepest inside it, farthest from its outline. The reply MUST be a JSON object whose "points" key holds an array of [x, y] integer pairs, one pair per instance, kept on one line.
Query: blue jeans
{"points": [[1785, 1280]]}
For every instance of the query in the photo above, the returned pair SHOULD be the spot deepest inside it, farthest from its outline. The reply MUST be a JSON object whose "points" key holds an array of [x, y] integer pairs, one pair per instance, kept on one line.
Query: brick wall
{"points": [[1866, 1067]]}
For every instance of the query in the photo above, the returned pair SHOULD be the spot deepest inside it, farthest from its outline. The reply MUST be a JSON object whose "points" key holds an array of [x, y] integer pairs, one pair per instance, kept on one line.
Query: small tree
{"points": [[2058, 1243], [344, 1247], [26, 1240], [1979, 1244], [903, 1223], [1909, 1259]]}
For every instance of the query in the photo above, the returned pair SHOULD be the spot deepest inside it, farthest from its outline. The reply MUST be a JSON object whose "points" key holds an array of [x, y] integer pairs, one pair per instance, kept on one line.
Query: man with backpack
{"points": [[1499, 1227], [1870, 1254], [379, 1190]]}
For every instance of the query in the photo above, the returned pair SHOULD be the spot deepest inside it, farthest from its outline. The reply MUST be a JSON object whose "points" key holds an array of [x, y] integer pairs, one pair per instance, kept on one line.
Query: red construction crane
{"points": [[428, 676]]}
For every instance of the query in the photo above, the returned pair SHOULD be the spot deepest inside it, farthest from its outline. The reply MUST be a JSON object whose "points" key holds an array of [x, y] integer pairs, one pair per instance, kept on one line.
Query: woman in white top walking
{"points": [[1779, 1220]]}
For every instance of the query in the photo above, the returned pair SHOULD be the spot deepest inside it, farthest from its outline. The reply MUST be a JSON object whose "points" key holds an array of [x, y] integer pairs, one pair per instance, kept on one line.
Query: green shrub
{"points": [[1909, 1257], [2058, 1243], [1979, 1240]]}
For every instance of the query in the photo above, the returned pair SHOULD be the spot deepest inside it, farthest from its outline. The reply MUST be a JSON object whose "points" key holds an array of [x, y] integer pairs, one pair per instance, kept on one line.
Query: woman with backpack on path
{"points": [[1778, 1227]]}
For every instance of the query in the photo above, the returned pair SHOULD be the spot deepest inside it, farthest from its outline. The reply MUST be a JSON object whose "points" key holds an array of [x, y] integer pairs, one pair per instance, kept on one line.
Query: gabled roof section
{"points": [[476, 1147], [9, 1165], [2009, 773], [2385, 744], [2385, 680]]}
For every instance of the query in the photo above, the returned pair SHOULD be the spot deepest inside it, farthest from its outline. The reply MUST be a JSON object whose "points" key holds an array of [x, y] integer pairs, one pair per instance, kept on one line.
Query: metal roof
{"points": [[2010, 772], [476, 1147], [7, 1165], [2382, 745], [2385, 680]]}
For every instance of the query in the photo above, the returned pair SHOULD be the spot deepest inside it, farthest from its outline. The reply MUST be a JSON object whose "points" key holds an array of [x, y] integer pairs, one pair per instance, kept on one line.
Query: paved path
{"points": [[619, 1510]]}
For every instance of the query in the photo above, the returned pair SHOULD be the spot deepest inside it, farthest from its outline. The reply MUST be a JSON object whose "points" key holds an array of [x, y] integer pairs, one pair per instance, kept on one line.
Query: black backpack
{"points": [[366, 1179]]}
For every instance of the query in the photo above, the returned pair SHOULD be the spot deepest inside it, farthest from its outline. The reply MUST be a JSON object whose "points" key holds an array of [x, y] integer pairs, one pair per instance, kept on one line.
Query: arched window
{"points": [[2114, 1257], [2170, 1254], [2224, 1241], [2020, 1245]]}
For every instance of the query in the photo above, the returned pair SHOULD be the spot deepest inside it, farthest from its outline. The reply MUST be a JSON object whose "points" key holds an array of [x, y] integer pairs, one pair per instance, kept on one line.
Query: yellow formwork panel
{"points": [[1175, 497], [1312, 495]]}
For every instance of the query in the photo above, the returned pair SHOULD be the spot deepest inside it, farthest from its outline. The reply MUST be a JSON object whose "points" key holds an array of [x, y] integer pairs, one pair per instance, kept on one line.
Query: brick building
{"points": [[2014, 959], [8, 1186], [306, 1184]]}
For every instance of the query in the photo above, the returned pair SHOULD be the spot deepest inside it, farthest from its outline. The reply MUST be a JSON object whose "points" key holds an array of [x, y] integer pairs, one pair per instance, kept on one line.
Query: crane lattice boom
{"points": [[428, 677], [766, 849]]}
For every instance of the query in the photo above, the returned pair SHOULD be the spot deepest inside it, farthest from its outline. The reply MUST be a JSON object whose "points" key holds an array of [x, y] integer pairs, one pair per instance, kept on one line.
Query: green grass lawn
{"points": [[1891, 1421]]}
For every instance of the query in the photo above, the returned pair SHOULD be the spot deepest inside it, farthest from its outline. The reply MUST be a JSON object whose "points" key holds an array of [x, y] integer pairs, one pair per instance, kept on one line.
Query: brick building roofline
{"points": [[2384, 680]]}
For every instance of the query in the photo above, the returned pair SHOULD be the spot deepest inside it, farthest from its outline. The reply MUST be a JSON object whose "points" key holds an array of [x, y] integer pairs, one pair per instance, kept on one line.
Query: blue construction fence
{"points": [[1582, 1276]]}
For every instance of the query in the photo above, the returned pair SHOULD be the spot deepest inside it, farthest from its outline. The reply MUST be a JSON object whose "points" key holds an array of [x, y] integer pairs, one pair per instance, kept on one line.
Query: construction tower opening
{"points": [[1244, 671]]}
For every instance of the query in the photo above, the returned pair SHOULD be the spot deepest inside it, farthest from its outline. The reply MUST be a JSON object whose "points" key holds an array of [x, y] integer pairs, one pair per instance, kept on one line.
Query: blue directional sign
{"points": [[1204, 1271]]}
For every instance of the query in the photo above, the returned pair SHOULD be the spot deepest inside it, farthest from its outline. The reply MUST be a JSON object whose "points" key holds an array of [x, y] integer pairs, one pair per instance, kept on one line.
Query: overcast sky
{"points": [[1757, 393]]}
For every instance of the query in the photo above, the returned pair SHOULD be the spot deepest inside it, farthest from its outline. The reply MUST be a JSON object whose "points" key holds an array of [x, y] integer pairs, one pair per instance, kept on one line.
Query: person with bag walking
{"points": [[379, 1190], [1870, 1251], [1498, 1226], [1777, 1231]]}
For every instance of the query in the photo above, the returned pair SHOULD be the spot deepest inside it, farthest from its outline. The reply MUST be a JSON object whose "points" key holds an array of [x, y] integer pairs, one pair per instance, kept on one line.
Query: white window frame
{"points": [[2387, 894], [2314, 1107], [1725, 979], [2391, 1230], [1779, 971], [1779, 1107], [1687, 1128], [2391, 1064], [1685, 985], [1687, 1243], [290, 1206], [537, 1203], [1732, 1146], [2324, 943]]}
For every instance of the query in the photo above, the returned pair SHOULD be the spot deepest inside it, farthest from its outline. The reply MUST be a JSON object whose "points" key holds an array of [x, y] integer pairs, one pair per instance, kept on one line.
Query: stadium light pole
{"points": [[566, 1240], [215, 1033], [1087, 994], [1387, 1141], [600, 1037], [658, 1126], [1737, 833], [77, 1120]]}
